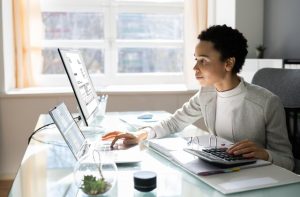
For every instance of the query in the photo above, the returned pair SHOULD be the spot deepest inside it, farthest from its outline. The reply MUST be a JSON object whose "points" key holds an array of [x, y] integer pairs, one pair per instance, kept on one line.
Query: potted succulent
{"points": [[93, 186], [260, 49], [95, 177]]}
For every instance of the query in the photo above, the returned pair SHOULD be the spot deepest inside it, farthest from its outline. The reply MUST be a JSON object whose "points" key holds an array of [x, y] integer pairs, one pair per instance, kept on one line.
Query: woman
{"points": [[248, 115]]}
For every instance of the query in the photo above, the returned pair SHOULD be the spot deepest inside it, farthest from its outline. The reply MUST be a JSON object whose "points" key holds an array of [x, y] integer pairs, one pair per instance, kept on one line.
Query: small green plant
{"points": [[93, 186], [260, 48]]}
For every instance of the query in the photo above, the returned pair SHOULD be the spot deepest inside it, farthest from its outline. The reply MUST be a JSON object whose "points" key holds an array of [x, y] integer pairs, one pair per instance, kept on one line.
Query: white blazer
{"points": [[260, 119]]}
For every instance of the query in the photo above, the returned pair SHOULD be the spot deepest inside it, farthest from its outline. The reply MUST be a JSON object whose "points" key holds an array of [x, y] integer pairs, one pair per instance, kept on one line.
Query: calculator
{"points": [[219, 156]]}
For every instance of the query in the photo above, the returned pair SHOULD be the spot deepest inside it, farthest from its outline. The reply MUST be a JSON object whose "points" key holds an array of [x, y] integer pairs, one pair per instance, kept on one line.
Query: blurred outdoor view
{"points": [[88, 27]]}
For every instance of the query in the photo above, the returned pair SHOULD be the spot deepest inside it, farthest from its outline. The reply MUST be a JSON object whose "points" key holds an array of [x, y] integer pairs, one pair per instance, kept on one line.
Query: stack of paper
{"points": [[172, 149], [247, 178]]}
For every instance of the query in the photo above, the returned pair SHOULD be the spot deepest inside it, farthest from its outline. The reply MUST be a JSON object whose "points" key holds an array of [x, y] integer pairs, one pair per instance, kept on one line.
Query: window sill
{"points": [[111, 90]]}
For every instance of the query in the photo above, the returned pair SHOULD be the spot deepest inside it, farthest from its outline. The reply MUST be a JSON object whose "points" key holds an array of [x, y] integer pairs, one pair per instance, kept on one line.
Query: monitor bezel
{"points": [[78, 132], [80, 101]]}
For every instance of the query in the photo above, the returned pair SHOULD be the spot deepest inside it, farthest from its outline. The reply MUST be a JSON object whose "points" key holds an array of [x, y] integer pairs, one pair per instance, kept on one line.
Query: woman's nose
{"points": [[196, 67]]}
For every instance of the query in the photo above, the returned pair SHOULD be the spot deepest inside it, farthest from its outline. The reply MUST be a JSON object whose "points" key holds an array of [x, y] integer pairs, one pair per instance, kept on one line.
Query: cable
{"points": [[78, 118], [55, 143], [41, 128]]}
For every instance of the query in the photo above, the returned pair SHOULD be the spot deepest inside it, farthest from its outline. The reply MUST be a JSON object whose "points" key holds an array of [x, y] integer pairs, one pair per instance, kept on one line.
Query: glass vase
{"points": [[95, 174]]}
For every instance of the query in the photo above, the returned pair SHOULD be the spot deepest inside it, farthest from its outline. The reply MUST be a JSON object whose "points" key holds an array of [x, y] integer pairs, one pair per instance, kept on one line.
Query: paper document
{"points": [[246, 177], [200, 167], [164, 146], [172, 149]]}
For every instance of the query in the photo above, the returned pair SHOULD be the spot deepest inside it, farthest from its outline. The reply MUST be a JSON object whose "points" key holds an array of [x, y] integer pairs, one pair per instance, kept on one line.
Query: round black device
{"points": [[144, 181]]}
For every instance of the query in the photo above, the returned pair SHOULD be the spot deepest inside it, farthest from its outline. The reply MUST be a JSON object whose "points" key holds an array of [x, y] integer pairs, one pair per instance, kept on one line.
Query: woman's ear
{"points": [[229, 64]]}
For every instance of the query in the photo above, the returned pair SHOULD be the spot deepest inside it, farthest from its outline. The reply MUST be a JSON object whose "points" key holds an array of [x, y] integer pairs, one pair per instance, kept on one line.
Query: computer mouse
{"points": [[146, 115]]}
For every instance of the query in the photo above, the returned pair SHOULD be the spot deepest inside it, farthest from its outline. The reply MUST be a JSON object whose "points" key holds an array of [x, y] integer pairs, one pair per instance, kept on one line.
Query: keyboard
{"points": [[220, 156]]}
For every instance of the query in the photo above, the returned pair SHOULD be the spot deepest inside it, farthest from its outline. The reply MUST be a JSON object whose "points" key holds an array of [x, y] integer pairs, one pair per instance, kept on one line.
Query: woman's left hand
{"points": [[248, 149]]}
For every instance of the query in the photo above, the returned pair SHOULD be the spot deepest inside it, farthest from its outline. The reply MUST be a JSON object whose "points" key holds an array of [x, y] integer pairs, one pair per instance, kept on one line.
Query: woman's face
{"points": [[209, 69]]}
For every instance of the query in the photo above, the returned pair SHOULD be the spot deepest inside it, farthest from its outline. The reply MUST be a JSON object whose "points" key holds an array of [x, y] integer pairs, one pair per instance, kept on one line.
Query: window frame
{"points": [[110, 42], [8, 59]]}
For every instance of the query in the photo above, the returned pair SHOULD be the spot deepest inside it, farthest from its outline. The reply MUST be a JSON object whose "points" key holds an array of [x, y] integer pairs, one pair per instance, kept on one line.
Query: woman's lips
{"points": [[199, 77]]}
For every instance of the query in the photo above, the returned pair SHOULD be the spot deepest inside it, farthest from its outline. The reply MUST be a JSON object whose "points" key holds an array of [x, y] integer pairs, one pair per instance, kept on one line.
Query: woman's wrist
{"points": [[265, 155], [270, 158], [149, 131], [142, 135]]}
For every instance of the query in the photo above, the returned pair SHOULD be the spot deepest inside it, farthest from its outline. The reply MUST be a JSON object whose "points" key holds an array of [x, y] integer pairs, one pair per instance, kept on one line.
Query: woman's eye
{"points": [[202, 61]]}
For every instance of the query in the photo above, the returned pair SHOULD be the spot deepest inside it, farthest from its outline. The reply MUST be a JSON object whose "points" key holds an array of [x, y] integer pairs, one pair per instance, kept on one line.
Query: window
{"points": [[122, 41]]}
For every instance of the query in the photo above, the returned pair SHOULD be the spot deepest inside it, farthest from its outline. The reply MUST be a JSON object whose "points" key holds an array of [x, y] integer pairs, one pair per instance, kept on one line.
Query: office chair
{"points": [[285, 83]]}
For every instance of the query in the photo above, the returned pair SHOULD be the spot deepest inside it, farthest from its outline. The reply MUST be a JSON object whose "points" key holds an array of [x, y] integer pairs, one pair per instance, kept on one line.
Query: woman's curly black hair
{"points": [[229, 42]]}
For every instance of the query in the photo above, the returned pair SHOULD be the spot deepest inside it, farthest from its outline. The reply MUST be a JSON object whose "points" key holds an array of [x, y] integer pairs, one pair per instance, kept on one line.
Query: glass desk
{"points": [[47, 170]]}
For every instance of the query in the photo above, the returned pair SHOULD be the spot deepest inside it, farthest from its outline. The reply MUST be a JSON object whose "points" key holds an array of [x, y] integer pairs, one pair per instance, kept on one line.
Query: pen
{"points": [[236, 169]]}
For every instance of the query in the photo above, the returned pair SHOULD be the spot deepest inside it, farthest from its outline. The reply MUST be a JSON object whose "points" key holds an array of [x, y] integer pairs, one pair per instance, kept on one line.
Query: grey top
{"points": [[261, 118]]}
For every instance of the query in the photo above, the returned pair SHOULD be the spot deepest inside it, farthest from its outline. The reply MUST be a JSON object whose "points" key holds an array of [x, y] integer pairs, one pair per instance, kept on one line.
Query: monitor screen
{"points": [[81, 83], [68, 128]]}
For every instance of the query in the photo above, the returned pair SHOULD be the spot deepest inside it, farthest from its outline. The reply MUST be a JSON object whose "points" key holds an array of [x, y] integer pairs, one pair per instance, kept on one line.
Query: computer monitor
{"points": [[69, 130], [81, 83]]}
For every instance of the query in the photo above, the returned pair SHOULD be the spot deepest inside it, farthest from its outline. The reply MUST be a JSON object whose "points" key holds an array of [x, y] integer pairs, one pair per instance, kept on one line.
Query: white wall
{"points": [[225, 12], [1, 52], [282, 29], [249, 20], [246, 16]]}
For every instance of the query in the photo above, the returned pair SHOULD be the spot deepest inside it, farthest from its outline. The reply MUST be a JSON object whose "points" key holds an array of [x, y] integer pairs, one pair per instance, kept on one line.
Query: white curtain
{"points": [[28, 38], [195, 20]]}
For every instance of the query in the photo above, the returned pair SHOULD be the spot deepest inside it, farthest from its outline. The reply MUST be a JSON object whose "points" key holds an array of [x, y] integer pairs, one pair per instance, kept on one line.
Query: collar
{"points": [[240, 88]]}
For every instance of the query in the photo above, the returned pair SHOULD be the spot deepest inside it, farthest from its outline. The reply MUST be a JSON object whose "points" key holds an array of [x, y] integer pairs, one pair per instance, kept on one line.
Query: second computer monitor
{"points": [[81, 83]]}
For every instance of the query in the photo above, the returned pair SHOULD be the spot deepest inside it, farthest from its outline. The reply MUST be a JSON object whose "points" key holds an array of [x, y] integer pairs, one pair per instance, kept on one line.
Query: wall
{"points": [[244, 15], [249, 20], [1, 52], [282, 29]]}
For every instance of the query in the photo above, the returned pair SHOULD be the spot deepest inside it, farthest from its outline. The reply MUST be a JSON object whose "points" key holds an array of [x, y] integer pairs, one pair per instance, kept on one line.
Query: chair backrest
{"points": [[285, 83]]}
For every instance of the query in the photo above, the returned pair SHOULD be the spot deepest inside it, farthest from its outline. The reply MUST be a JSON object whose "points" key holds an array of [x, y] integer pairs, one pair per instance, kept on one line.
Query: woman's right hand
{"points": [[128, 138]]}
